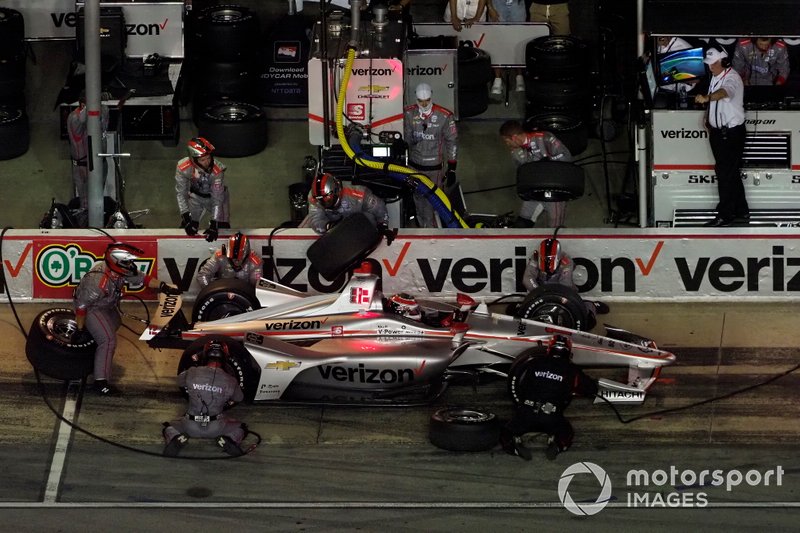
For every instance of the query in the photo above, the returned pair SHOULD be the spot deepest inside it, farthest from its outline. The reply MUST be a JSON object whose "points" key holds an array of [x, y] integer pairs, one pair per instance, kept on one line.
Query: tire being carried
{"points": [[222, 298], [462, 429], [554, 304], [54, 348], [238, 363]]}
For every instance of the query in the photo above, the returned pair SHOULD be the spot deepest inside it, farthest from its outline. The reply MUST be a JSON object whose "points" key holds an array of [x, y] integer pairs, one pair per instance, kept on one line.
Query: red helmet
{"points": [[550, 255], [327, 190], [559, 346], [199, 146], [121, 258], [238, 249], [404, 304]]}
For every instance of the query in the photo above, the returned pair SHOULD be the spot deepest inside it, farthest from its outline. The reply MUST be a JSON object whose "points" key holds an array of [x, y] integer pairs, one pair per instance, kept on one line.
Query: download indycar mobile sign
{"points": [[626, 264]]}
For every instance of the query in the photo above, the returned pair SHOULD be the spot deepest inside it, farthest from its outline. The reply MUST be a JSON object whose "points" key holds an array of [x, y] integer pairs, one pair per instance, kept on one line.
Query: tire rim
{"points": [[223, 311], [7, 114], [231, 112], [555, 314], [62, 327], [226, 15], [466, 415], [558, 45]]}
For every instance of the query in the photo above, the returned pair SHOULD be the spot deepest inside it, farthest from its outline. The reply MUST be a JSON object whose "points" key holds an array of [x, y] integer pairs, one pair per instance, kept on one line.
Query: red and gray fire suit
{"points": [[200, 192], [210, 389], [96, 297], [541, 145], [761, 68], [533, 277], [545, 391], [354, 199], [432, 142], [219, 266], [79, 149]]}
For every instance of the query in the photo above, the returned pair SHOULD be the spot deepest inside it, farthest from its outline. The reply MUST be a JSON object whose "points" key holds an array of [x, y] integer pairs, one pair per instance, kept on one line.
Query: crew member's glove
{"points": [[189, 226], [390, 234], [212, 232], [450, 175], [169, 290]]}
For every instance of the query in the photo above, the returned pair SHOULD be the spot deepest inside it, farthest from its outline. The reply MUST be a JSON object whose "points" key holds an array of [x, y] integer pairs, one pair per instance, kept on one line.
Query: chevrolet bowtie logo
{"points": [[281, 365]]}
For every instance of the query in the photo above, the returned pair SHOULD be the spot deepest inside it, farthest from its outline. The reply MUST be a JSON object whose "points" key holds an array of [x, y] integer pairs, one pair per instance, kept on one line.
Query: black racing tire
{"points": [[12, 31], [557, 57], [550, 181], [462, 429], [567, 96], [238, 364], [554, 304], [15, 134], [238, 129], [474, 68], [222, 298], [225, 33], [51, 349], [227, 78], [569, 129], [519, 368], [472, 102], [344, 246], [12, 78]]}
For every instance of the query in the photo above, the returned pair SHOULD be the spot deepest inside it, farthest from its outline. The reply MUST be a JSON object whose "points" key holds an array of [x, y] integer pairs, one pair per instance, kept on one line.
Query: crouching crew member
{"points": [[235, 260], [211, 390], [542, 392]]}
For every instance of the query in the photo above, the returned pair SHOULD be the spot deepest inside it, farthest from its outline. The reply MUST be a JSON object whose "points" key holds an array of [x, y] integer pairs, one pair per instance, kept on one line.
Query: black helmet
{"points": [[214, 351], [559, 346]]}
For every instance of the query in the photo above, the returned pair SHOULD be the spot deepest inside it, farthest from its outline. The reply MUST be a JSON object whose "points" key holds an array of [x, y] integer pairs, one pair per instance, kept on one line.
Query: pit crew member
{"points": [[96, 299], [543, 392], [211, 390], [200, 188], [79, 146], [235, 260], [761, 61]]}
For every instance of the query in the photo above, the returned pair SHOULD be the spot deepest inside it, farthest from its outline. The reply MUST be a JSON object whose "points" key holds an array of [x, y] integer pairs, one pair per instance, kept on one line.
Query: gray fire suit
{"points": [[533, 277], [761, 68], [201, 192], [355, 198], [540, 145], [209, 389], [218, 266], [432, 142], [79, 149], [96, 297]]}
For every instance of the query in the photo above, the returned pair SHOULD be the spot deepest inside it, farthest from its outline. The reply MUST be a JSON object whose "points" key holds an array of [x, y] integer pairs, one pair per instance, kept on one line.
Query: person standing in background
{"points": [[554, 12]]}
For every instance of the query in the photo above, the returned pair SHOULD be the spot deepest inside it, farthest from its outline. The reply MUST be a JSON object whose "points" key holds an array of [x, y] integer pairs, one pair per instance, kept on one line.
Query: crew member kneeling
{"points": [[211, 390], [233, 261], [543, 391]]}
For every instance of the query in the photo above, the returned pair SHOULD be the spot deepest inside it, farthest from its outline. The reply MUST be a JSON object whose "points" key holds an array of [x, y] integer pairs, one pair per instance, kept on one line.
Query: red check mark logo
{"points": [[393, 268], [14, 269], [647, 268], [420, 368], [165, 24], [479, 41]]}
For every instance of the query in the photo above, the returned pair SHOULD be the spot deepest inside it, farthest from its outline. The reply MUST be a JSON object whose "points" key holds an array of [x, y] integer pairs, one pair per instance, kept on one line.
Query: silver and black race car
{"points": [[350, 348]]}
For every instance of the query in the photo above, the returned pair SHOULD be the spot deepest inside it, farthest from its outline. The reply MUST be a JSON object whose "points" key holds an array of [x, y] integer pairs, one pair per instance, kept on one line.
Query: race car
{"points": [[350, 348]]}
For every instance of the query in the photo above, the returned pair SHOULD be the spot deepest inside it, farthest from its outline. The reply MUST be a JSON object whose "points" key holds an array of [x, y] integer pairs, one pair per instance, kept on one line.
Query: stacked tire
{"points": [[474, 74], [14, 126], [223, 62], [557, 88]]}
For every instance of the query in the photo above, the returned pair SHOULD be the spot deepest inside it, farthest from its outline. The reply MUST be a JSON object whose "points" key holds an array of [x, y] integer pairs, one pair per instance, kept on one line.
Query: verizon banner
{"points": [[621, 264]]}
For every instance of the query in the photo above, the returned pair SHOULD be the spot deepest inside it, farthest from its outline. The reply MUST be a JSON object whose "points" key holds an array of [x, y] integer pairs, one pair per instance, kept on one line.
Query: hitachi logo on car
{"points": [[548, 375], [206, 387], [293, 324]]}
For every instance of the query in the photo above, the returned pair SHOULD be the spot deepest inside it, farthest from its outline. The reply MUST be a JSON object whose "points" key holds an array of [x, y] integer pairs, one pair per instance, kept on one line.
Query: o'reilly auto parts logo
{"points": [[58, 265], [584, 509]]}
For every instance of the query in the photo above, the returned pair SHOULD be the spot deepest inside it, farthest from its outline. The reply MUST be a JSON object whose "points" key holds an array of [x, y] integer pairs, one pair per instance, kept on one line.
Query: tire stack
{"points": [[223, 64], [14, 127], [474, 74], [557, 89]]}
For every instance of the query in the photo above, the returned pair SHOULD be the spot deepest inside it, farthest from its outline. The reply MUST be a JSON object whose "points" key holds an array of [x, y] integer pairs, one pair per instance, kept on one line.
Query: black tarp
{"points": [[780, 18]]}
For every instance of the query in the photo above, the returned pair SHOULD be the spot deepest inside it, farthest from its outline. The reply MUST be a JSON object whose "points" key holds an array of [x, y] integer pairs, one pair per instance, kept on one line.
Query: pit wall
{"points": [[613, 264]]}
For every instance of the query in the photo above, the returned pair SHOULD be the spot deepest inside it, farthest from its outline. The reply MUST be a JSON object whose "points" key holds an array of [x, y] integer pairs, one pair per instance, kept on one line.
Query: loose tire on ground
{"points": [[51, 350], [238, 129], [238, 364], [460, 429], [472, 102], [569, 129], [554, 304], [224, 297], [550, 181], [15, 135]]}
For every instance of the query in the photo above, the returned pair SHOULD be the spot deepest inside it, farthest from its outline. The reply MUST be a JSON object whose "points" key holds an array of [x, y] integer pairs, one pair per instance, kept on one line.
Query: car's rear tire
{"points": [[238, 364], [460, 429], [224, 297], [51, 350], [519, 369], [554, 304]]}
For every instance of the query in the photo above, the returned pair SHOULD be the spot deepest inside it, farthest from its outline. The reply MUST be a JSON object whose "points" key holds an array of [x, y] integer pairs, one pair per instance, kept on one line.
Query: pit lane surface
{"points": [[334, 468]]}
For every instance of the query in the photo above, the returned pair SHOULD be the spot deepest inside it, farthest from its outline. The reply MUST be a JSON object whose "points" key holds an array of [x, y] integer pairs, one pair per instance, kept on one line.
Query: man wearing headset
{"points": [[235, 260], [211, 390], [96, 300]]}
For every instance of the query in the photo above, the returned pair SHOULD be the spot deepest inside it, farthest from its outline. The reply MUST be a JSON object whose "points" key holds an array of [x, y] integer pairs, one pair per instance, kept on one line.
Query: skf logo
{"points": [[359, 296], [282, 365], [59, 265], [357, 111], [702, 178]]}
